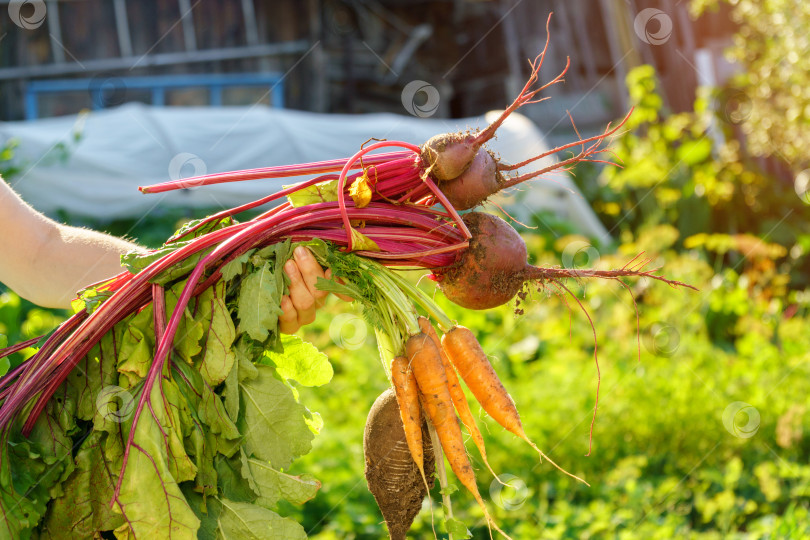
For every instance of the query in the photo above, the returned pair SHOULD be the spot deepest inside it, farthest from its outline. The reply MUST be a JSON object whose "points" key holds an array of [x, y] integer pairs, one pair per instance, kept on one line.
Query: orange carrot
{"points": [[457, 393], [410, 411], [472, 364], [431, 379]]}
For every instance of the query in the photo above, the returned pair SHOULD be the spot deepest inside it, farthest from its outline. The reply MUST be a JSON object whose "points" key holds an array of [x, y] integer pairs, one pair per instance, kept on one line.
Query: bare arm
{"points": [[47, 262]]}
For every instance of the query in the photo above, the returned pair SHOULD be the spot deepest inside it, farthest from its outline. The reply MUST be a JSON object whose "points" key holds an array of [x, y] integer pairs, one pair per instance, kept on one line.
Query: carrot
{"points": [[457, 393], [472, 364], [410, 411], [431, 379]]}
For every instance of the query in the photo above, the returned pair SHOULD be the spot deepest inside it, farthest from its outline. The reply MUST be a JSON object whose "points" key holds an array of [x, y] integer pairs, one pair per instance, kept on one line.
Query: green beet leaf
{"points": [[259, 302], [204, 403], [245, 521], [51, 438], [246, 350], [206, 509], [136, 341], [91, 298], [218, 357], [20, 513], [320, 192], [234, 268], [232, 483], [205, 229], [272, 485], [273, 421], [94, 372], [191, 330], [135, 261], [151, 500], [301, 361], [33, 469], [230, 394], [84, 510], [201, 446]]}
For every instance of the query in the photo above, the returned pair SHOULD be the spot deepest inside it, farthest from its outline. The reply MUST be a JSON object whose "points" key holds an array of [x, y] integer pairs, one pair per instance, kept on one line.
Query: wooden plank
{"points": [[122, 28], [55, 30], [251, 29], [611, 13], [582, 35], [565, 20], [187, 18], [160, 59], [514, 81], [319, 100]]}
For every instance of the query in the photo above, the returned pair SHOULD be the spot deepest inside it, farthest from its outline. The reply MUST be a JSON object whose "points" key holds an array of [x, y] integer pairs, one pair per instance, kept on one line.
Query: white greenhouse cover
{"points": [[134, 145]]}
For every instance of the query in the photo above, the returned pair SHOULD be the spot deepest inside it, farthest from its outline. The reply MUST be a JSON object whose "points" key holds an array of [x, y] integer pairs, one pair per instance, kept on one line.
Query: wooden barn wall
{"points": [[474, 55]]}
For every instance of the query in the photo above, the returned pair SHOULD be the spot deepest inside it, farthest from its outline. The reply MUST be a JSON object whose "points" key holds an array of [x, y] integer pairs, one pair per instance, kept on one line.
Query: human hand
{"points": [[304, 300]]}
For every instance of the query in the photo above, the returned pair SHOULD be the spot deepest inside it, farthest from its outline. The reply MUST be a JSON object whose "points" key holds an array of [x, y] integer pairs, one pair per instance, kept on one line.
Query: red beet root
{"points": [[448, 155], [479, 181], [490, 272]]}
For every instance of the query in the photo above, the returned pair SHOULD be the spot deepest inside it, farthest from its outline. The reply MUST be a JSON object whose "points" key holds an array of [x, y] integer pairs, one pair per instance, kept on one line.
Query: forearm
{"points": [[47, 263], [69, 259]]}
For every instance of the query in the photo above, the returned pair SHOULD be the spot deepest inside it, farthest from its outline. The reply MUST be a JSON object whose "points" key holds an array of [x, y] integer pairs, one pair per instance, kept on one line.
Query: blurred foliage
{"points": [[12, 165], [683, 169], [8, 165], [773, 105]]}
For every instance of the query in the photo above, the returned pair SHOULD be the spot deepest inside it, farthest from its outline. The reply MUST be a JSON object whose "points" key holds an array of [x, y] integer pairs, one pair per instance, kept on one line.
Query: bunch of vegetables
{"points": [[166, 406]]}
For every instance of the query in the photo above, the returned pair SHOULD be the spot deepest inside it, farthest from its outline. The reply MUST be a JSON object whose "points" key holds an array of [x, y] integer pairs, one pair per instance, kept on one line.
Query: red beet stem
{"points": [[283, 171], [251, 205], [395, 172], [18, 347], [342, 180]]}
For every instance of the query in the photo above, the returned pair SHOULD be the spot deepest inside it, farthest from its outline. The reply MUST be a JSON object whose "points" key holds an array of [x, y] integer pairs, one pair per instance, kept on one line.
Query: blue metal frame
{"points": [[157, 84]]}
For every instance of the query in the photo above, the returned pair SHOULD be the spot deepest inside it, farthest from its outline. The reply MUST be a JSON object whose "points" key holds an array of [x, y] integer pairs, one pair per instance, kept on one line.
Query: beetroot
{"points": [[479, 181], [490, 271], [449, 154]]}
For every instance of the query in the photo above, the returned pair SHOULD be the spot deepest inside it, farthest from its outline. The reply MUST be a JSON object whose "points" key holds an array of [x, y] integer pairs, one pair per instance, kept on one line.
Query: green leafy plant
{"points": [[769, 97], [674, 170]]}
